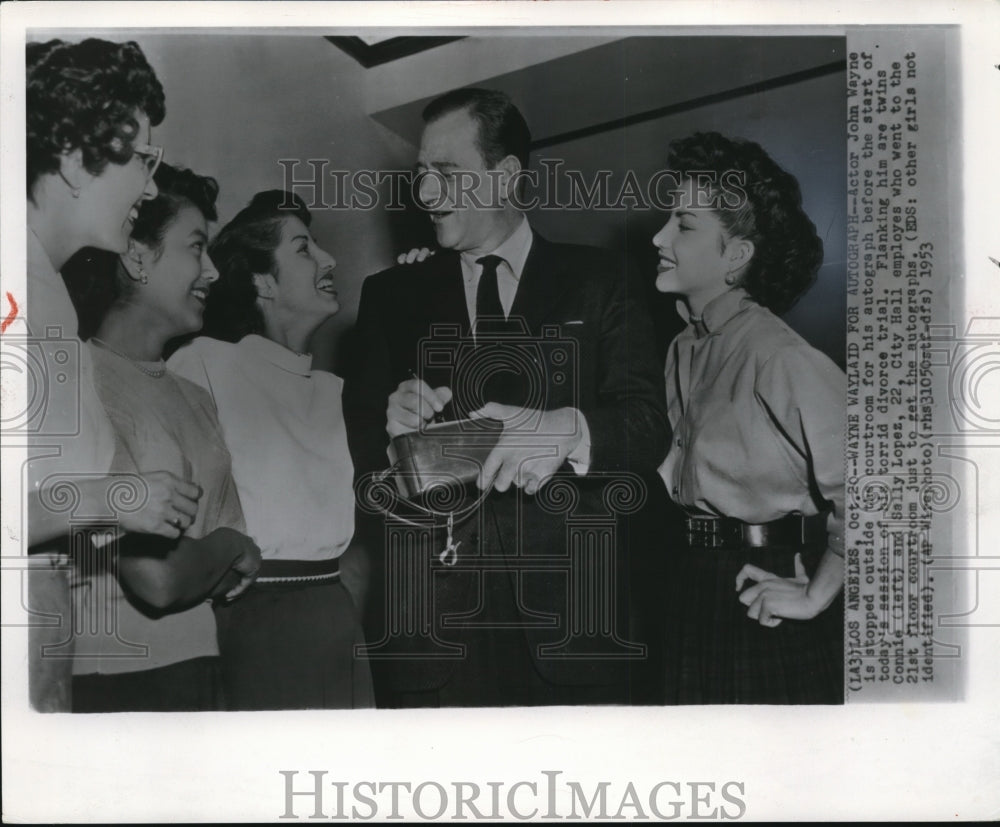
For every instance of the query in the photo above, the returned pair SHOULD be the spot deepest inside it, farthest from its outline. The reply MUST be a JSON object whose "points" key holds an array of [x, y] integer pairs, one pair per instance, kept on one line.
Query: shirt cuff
{"points": [[579, 457]]}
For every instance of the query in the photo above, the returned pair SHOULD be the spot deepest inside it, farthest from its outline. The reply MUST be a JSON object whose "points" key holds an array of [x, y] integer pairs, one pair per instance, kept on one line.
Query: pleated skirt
{"points": [[292, 646], [715, 654]]}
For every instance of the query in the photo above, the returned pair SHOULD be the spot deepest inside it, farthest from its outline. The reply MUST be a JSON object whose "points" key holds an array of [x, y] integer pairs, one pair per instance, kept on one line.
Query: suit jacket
{"points": [[574, 299]]}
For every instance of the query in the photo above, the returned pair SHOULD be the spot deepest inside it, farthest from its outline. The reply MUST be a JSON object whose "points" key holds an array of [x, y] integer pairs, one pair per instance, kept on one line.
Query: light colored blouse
{"points": [[162, 423], [284, 425], [757, 416], [68, 423]]}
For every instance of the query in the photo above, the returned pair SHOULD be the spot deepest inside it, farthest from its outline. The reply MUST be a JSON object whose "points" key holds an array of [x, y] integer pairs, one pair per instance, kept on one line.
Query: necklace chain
{"points": [[155, 373]]}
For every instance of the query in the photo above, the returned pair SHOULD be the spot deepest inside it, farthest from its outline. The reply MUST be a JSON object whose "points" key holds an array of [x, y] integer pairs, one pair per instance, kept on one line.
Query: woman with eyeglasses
{"points": [[90, 108], [160, 656], [289, 643], [753, 613]]}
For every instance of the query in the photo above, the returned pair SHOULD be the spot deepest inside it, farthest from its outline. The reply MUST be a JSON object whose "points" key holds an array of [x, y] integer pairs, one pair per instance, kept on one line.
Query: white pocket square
{"points": [[575, 321]]}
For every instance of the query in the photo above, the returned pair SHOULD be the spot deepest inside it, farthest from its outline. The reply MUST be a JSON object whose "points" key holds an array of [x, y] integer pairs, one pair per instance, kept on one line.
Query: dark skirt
{"points": [[188, 686], [715, 654], [291, 646]]}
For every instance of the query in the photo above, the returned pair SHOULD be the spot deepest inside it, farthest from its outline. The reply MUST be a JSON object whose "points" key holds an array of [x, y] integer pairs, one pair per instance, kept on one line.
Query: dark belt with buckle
{"points": [[707, 531]]}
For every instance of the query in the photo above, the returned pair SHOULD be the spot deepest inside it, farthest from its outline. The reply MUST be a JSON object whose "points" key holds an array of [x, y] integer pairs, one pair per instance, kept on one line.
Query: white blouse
{"points": [[284, 426]]}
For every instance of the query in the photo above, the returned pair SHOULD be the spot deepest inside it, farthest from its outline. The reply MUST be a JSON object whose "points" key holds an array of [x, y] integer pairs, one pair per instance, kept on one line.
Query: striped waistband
{"points": [[295, 571]]}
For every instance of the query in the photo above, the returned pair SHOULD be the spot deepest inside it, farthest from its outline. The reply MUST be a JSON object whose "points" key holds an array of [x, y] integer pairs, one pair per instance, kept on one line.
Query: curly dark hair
{"points": [[178, 188], [96, 279], [787, 250], [244, 247], [84, 96]]}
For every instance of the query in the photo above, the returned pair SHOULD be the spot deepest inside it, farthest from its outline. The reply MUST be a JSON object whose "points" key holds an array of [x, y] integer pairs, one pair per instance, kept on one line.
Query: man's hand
{"points": [[170, 508], [412, 403], [527, 457], [417, 254]]}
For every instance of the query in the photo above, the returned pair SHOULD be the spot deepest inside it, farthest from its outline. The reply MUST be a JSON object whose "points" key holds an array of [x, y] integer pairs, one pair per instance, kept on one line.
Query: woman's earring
{"points": [[74, 191], [134, 255], [143, 278], [731, 279]]}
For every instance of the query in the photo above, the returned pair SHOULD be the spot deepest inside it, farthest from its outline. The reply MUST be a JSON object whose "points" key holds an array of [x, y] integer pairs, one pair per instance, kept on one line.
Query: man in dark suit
{"points": [[561, 350]]}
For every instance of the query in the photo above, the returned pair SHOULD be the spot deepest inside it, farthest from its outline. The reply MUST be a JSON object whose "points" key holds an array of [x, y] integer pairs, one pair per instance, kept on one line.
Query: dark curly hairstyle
{"points": [[243, 247], [96, 279], [84, 96], [178, 188], [787, 250]]}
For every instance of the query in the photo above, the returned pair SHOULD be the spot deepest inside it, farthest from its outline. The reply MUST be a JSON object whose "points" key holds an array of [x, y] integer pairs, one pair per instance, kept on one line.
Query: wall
{"points": [[802, 126], [801, 123], [239, 102]]}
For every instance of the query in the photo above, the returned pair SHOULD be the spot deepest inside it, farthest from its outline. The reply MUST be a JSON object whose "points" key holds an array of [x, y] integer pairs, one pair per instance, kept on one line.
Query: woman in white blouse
{"points": [[289, 643], [756, 462]]}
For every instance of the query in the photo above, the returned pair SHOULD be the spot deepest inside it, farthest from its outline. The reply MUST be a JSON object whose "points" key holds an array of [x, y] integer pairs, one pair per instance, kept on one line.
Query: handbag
{"points": [[442, 454], [433, 468]]}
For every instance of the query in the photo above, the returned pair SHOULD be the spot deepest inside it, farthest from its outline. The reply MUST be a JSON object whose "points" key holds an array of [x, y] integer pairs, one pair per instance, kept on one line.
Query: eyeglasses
{"points": [[149, 155]]}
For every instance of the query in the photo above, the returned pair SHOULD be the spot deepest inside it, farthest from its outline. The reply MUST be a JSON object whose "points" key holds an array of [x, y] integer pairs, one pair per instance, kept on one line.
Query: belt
{"points": [[708, 531], [298, 571]]}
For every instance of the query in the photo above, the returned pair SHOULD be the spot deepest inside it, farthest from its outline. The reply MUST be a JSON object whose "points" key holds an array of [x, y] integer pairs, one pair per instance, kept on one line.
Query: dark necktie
{"points": [[490, 317]]}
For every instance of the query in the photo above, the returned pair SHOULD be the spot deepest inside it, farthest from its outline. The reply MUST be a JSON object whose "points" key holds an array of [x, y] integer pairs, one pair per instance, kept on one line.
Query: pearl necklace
{"points": [[154, 372]]}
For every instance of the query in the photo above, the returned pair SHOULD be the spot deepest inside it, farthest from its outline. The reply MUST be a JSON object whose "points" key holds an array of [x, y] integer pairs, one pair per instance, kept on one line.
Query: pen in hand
{"points": [[437, 418]]}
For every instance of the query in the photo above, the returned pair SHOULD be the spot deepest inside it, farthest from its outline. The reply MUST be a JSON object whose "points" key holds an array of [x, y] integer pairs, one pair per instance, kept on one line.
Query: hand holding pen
{"points": [[414, 403]]}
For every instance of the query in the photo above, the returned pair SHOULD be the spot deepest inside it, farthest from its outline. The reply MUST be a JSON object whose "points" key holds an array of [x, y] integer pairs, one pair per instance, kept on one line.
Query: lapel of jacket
{"points": [[446, 292], [544, 280]]}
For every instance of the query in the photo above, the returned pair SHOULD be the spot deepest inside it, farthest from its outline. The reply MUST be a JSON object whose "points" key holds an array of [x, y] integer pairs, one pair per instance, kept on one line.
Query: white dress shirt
{"points": [[513, 254]]}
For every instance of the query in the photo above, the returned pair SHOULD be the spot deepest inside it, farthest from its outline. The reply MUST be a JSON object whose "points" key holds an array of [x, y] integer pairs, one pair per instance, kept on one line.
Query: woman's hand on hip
{"points": [[774, 598]]}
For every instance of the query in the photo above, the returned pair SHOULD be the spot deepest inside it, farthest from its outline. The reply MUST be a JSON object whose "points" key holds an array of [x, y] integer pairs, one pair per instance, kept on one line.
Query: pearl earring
{"points": [[132, 254]]}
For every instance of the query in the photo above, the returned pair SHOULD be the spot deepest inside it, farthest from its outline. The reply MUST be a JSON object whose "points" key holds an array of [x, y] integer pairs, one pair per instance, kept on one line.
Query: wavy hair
{"points": [[96, 279], [243, 248], [787, 251], [84, 96], [502, 130]]}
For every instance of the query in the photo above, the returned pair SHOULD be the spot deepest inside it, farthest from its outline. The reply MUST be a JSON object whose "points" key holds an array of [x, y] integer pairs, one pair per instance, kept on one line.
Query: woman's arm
{"points": [[796, 598], [806, 394], [172, 576], [165, 505], [47, 523]]}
